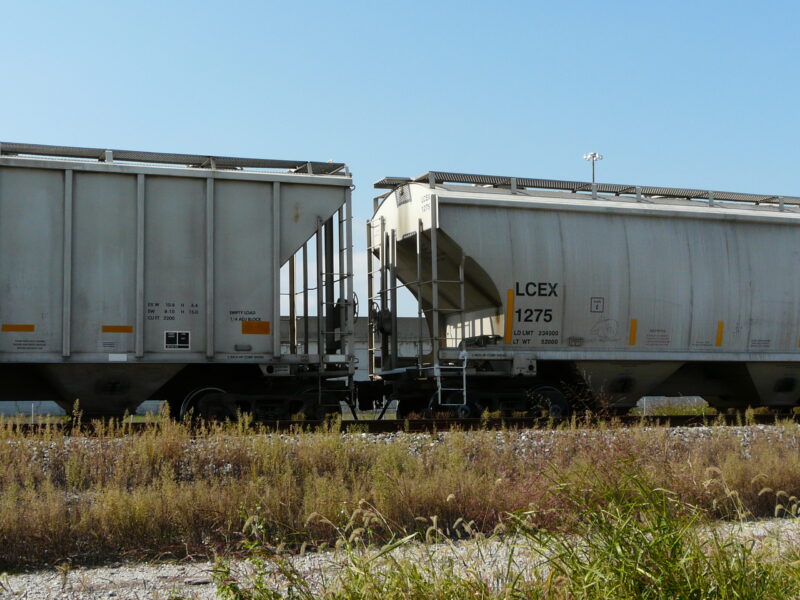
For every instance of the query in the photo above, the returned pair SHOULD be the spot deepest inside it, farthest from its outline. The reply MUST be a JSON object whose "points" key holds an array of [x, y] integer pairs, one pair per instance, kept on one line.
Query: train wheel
{"points": [[465, 411], [410, 406], [207, 403], [310, 409], [470, 409], [434, 410], [548, 401], [619, 411]]}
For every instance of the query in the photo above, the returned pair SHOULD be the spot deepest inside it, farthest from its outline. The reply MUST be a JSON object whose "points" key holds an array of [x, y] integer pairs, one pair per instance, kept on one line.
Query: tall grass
{"points": [[633, 541], [168, 491]]}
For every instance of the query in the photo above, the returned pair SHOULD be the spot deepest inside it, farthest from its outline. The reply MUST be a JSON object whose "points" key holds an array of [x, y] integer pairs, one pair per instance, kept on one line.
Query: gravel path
{"points": [[119, 581], [139, 581]]}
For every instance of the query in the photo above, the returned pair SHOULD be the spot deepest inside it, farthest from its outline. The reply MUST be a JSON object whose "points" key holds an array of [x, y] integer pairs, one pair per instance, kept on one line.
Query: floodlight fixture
{"points": [[593, 157]]}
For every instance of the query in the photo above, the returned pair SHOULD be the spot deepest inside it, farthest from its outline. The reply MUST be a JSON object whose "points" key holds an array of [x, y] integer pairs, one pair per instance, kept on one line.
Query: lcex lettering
{"points": [[535, 288]]}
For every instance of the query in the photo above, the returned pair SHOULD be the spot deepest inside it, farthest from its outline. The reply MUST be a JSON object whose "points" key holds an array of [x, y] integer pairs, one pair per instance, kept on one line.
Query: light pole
{"points": [[594, 157]]}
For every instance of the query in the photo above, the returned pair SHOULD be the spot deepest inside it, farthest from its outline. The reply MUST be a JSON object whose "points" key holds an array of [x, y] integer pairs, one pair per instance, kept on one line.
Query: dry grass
{"points": [[632, 542], [163, 492]]}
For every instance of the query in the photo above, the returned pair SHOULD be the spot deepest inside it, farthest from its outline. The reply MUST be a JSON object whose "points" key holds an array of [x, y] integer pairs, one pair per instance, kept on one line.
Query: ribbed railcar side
{"points": [[116, 275], [631, 297]]}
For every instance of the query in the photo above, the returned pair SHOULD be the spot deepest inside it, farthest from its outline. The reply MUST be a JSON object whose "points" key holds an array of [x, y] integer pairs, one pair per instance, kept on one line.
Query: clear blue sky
{"points": [[695, 94]]}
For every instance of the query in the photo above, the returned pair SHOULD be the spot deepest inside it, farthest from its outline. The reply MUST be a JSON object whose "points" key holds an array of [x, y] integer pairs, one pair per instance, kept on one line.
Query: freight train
{"points": [[129, 275]]}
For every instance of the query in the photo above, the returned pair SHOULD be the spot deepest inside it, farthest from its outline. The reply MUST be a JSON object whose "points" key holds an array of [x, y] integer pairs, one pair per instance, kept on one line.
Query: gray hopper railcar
{"points": [[133, 275], [541, 293]]}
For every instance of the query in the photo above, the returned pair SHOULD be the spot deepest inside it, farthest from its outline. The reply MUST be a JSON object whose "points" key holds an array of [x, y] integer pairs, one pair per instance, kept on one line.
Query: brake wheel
{"points": [[547, 400]]}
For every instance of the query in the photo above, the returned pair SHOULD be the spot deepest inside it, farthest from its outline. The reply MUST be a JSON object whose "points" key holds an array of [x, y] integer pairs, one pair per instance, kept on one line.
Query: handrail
{"points": [[517, 183], [192, 160]]}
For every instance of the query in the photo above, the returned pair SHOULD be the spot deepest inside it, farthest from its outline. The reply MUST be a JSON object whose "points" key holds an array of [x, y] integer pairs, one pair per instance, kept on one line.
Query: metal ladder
{"points": [[458, 394], [331, 337], [375, 298], [445, 395], [448, 393]]}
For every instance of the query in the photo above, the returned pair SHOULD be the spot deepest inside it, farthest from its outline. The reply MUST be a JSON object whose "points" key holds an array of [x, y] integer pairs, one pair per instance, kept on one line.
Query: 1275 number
{"points": [[534, 315]]}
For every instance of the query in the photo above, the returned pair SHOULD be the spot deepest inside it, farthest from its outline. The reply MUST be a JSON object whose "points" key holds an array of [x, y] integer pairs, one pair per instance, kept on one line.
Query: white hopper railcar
{"points": [[539, 293], [133, 275]]}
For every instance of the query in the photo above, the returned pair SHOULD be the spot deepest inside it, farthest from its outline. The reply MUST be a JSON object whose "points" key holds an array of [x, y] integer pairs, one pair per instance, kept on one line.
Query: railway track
{"points": [[430, 425]]}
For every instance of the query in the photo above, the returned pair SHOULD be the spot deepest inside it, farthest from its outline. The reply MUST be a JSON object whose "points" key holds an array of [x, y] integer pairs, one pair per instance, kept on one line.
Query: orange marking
{"points": [[117, 329], [509, 316], [720, 331], [255, 327], [632, 336], [18, 327]]}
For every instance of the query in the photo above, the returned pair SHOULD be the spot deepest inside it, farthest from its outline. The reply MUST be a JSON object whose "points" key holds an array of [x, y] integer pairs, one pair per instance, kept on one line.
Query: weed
{"points": [[642, 543], [170, 490]]}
